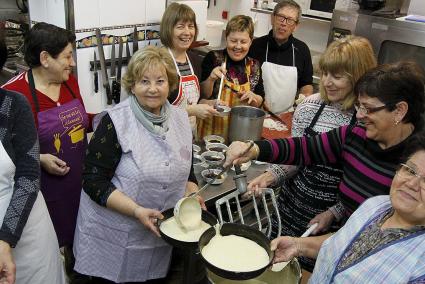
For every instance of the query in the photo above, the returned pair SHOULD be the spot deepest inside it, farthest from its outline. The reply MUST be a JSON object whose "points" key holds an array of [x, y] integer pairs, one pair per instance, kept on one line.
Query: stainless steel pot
{"points": [[246, 123]]}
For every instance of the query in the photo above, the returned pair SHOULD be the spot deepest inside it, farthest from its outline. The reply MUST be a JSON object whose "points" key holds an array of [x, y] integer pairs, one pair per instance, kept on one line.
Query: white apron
{"points": [[189, 91], [280, 84], [36, 255]]}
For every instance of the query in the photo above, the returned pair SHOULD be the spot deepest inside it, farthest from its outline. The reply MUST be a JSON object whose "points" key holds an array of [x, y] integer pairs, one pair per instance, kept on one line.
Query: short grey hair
{"points": [[288, 3]]}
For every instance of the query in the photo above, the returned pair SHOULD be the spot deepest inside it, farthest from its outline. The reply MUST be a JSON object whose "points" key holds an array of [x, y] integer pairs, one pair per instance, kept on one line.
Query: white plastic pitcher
{"points": [[214, 33]]}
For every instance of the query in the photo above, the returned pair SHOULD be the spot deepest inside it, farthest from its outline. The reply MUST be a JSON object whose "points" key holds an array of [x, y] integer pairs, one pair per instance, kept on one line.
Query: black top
{"points": [[282, 55], [196, 64], [19, 138], [102, 158]]}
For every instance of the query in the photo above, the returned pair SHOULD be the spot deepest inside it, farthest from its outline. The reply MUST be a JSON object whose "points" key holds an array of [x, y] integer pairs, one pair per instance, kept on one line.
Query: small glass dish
{"points": [[223, 110], [196, 149], [217, 147], [209, 174], [213, 158], [213, 139]]}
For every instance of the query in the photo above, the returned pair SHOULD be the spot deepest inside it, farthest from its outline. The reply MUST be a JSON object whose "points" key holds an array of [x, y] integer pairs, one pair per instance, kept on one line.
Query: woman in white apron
{"points": [[178, 31], [28, 243]]}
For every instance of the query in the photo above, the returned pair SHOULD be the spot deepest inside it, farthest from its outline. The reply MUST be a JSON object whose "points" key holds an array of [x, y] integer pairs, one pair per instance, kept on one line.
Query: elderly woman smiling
{"points": [[138, 163], [390, 108], [382, 242]]}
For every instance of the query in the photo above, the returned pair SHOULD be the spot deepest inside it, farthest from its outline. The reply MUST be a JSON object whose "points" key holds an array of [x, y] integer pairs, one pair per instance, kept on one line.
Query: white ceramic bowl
{"points": [[213, 158], [217, 147], [209, 174], [196, 149], [213, 139]]}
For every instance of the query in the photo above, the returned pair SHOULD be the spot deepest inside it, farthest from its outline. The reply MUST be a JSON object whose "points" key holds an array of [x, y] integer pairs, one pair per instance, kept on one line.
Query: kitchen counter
{"points": [[214, 192]]}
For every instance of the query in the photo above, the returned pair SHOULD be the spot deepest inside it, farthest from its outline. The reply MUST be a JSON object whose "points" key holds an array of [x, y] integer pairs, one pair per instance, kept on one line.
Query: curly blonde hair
{"points": [[148, 58]]}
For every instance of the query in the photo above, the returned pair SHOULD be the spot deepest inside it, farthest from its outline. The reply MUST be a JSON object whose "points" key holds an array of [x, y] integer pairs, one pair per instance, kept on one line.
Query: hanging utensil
{"points": [[116, 85], [135, 40], [105, 80], [96, 75]]}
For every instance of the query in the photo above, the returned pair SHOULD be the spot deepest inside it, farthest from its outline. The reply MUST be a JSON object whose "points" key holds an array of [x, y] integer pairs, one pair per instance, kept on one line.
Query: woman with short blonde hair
{"points": [[138, 164], [351, 56]]}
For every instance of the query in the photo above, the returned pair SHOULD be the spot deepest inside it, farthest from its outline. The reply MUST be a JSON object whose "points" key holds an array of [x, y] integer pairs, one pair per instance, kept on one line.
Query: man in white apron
{"points": [[286, 61]]}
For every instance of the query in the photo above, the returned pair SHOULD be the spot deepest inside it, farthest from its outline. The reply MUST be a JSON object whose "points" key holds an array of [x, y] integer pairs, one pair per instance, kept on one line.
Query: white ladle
{"points": [[281, 265], [217, 106]]}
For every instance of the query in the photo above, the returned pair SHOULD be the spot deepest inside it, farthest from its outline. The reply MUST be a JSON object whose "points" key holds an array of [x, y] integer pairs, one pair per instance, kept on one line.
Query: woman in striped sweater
{"points": [[389, 109], [311, 190]]}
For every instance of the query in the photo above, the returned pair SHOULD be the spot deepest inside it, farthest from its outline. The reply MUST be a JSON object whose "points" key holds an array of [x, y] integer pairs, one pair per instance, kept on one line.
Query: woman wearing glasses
{"points": [[382, 242], [389, 108], [310, 190]]}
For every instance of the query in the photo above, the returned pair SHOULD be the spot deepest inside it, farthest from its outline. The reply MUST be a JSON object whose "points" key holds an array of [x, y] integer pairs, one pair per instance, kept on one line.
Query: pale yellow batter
{"points": [[173, 230], [235, 253]]}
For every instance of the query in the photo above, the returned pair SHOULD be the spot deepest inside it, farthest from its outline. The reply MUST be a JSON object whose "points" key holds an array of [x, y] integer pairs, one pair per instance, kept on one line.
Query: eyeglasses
{"points": [[368, 110], [282, 19], [408, 172]]}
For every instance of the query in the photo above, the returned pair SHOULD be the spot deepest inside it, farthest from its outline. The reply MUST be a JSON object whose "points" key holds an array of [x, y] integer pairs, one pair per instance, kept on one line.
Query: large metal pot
{"points": [[246, 123]]}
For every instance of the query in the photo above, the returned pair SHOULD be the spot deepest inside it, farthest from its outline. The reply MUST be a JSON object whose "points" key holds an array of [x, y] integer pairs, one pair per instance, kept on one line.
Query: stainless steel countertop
{"points": [[213, 192]]}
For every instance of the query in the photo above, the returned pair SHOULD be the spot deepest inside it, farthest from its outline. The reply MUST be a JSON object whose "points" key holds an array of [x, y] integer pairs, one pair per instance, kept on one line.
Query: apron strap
{"points": [[293, 55], [34, 94], [177, 66], [353, 118], [317, 115], [267, 50], [309, 129], [32, 90]]}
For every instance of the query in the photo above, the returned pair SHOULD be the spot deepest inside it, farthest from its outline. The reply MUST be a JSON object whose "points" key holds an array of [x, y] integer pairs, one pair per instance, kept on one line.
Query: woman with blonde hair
{"points": [[311, 190], [178, 31], [138, 164], [241, 75]]}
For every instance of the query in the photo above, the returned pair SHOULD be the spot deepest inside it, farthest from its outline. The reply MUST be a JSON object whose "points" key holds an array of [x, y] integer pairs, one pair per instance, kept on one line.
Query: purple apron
{"points": [[62, 132]]}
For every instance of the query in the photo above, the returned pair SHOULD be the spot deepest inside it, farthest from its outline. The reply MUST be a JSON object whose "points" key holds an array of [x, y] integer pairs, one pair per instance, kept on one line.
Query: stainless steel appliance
{"points": [[392, 40]]}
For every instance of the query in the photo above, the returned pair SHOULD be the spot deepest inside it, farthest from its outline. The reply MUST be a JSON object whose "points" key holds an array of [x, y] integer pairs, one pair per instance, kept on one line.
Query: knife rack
{"points": [[107, 63]]}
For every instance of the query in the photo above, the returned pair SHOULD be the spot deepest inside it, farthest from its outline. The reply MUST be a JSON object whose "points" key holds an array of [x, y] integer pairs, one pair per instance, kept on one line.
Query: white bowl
{"points": [[244, 166], [217, 147], [213, 158], [206, 175], [213, 139], [196, 149]]}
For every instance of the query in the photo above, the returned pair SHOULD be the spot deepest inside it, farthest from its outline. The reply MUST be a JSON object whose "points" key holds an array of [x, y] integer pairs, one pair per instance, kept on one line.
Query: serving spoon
{"points": [[217, 106]]}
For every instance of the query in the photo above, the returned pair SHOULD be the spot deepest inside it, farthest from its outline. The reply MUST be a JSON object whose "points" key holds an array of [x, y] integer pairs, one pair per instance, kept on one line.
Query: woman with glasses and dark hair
{"points": [[310, 190], [382, 242], [368, 153]]}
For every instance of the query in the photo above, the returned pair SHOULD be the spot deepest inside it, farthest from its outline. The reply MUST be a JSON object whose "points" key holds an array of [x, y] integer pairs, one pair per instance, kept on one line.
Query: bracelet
{"points": [[256, 148]]}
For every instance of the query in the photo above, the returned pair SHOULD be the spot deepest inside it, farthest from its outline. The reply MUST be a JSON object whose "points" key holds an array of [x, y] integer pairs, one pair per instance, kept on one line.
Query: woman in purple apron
{"points": [[61, 119]]}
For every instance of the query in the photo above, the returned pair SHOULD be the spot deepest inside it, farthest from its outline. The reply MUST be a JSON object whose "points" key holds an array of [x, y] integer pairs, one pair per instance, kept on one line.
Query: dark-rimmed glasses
{"points": [[408, 172], [368, 110], [282, 19]]}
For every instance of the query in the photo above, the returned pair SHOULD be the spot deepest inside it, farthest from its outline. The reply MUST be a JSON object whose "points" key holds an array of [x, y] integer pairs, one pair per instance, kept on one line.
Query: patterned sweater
{"points": [[19, 138], [367, 169]]}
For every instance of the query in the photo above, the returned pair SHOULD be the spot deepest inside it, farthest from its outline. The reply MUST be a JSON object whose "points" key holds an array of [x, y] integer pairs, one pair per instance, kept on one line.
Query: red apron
{"points": [[189, 91], [62, 132]]}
